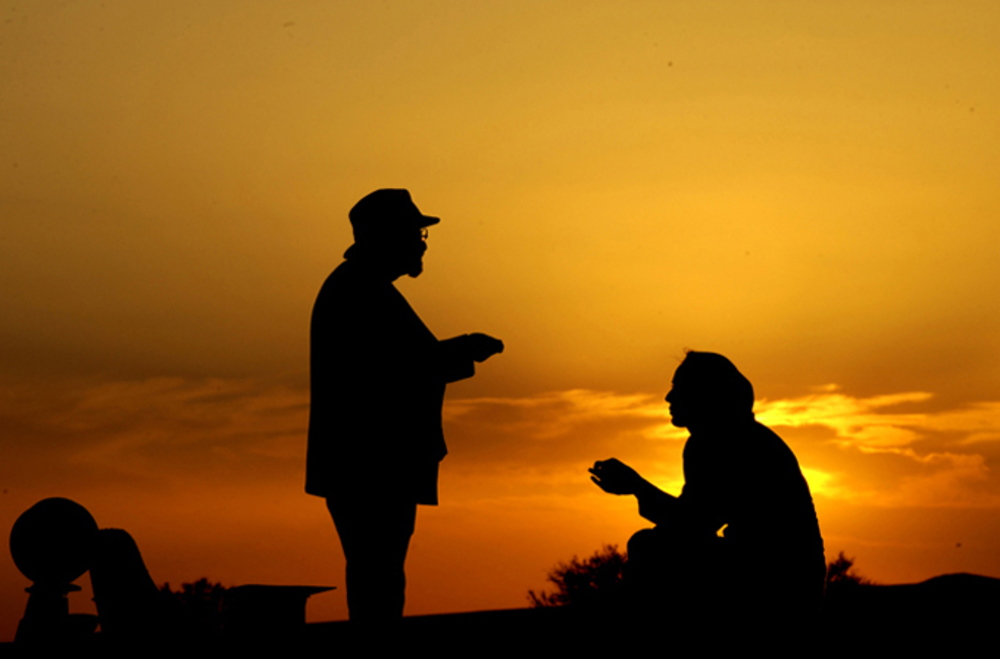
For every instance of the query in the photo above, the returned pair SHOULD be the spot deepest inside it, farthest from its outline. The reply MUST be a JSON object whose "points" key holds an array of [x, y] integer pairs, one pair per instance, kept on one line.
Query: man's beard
{"points": [[416, 267]]}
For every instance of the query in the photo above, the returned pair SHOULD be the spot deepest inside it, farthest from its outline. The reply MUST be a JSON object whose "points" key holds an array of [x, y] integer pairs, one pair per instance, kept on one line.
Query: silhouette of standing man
{"points": [[378, 379]]}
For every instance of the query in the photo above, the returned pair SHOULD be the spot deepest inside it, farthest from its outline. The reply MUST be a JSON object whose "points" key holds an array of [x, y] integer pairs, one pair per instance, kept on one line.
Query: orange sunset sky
{"points": [[809, 188]]}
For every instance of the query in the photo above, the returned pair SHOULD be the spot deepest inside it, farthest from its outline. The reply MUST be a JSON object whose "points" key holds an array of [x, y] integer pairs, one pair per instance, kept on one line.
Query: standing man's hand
{"points": [[481, 347]]}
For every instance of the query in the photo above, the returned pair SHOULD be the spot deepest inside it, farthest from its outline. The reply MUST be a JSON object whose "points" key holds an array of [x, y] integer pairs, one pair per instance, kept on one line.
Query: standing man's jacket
{"points": [[378, 379]]}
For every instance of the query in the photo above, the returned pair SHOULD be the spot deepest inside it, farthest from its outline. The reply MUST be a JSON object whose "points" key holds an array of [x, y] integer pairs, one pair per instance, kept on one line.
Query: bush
{"points": [[599, 578], [840, 574], [586, 582], [200, 601]]}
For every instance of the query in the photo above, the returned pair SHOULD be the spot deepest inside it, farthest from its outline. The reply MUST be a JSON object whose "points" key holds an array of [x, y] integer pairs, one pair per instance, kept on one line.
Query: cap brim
{"points": [[427, 220]]}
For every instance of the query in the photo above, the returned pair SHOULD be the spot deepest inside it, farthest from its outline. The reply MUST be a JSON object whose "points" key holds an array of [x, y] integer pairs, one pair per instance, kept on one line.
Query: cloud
{"points": [[160, 429], [862, 423], [559, 428], [926, 458], [882, 450], [886, 450]]}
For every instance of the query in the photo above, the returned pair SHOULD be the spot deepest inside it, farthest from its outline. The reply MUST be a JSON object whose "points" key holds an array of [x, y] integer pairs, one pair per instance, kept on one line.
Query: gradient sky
{"points": [[807, 188]]}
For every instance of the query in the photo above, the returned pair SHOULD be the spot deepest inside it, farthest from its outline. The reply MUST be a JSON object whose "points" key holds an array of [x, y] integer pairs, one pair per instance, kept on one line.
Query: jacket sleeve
{"points": [[453, 362], [657, 506], [702, 510], [695, 511]]}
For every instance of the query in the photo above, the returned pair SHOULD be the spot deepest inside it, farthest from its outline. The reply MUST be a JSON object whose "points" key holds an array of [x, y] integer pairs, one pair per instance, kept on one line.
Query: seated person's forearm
{"points": [[654, 504]]}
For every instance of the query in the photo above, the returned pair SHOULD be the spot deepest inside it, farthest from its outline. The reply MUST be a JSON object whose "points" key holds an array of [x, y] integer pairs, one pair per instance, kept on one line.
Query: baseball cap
{"points": [[385, 212]]}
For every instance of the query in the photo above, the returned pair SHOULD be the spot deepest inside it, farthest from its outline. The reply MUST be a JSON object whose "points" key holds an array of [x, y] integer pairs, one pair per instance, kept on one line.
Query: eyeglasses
{"points": [[423, 234]]}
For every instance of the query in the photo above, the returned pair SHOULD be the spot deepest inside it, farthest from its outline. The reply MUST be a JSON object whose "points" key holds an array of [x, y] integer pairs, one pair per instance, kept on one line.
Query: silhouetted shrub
{"points": [[587, 582], [843, 585], [599, 578], [201, 602], [840, 574]]}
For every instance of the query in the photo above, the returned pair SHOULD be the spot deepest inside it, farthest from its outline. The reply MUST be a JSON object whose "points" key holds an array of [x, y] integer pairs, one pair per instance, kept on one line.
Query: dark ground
{"points": [[951, 614]]}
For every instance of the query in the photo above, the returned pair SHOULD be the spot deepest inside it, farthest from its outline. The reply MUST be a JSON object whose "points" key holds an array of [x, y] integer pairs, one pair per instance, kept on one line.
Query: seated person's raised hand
{"points": [[616, 477]]}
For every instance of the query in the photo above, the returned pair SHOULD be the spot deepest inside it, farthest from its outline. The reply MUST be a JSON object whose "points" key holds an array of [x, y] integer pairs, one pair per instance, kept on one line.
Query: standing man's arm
{"points": [[458, 354]]}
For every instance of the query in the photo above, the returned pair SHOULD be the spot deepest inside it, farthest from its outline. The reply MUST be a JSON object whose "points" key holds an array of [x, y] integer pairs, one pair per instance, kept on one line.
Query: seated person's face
{"points": [[688, 402], [680, 400], [709, 392]]}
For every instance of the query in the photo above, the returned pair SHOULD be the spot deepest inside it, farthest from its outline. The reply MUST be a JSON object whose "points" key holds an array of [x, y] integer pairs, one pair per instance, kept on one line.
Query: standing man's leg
{"points": [[375, 538]]}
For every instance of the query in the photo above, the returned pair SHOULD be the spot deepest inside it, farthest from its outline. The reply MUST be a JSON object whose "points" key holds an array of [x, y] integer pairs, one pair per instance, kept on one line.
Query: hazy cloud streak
{"points": [[880, 450]]}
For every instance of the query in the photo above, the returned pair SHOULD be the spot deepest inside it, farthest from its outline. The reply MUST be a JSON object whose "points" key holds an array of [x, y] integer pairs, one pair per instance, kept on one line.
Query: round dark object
{"points": [[52, 542]]}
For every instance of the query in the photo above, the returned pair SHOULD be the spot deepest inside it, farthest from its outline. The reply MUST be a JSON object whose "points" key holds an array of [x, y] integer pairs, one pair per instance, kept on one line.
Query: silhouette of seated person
{"points": [[742, 541]]}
